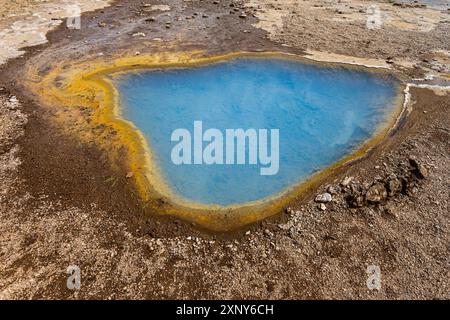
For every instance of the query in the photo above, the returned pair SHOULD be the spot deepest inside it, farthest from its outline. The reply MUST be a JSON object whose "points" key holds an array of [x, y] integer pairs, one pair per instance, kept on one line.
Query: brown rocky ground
{"points": [[62, 204]]}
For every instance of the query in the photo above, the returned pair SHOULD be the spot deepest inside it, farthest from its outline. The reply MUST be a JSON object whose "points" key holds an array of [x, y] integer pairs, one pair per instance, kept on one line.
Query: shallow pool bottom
{"points": [[322, 114]]}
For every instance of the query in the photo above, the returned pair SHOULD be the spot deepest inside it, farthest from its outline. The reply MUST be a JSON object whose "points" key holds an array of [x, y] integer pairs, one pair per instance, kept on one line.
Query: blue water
{"points": [[322, 114]]}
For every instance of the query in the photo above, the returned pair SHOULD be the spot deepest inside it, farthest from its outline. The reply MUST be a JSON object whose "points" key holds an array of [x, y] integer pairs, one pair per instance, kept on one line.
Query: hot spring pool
{"points": [[321, 114]]}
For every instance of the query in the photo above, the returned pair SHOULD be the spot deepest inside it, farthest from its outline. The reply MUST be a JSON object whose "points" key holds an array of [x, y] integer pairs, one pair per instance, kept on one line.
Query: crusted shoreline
{"points": [[149, 181]]}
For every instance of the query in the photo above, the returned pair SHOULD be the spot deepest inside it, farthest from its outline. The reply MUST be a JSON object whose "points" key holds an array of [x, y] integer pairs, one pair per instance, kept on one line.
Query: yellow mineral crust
{"points": [[89, 84]]}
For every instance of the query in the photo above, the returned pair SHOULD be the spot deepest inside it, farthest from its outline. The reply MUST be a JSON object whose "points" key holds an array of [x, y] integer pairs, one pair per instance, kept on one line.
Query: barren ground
{"points": [[63, 203]]}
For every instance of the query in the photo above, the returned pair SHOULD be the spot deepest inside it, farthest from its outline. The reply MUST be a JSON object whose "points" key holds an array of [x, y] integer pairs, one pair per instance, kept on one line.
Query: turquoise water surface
{"points": [[322, 114]]}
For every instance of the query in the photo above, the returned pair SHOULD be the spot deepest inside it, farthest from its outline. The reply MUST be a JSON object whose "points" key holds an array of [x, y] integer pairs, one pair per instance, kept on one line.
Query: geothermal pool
{"points": [[321, 114]]}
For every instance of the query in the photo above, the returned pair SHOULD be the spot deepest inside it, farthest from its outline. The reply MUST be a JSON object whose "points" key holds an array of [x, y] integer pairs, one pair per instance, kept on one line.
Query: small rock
{"points": [[389, 212], [268, 233], [346, 181], [333, 190], [283, 226], [419, 169], [378, 178], [356, 201], [324, 198], [394, 186], [322, 207], [129, 175], [356, 188], [376, 193]]}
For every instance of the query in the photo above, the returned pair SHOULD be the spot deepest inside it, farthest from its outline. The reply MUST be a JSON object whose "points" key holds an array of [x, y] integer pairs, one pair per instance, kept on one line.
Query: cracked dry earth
{"points": [[310, 251]]}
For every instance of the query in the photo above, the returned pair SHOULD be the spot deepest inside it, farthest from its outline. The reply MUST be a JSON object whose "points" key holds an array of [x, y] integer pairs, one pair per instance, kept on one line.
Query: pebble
{"points": [[376, 193], [418, 169], [268, 233], [324, 198], [394, 186], [346, 181], [322, 207], [333, 190]]}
